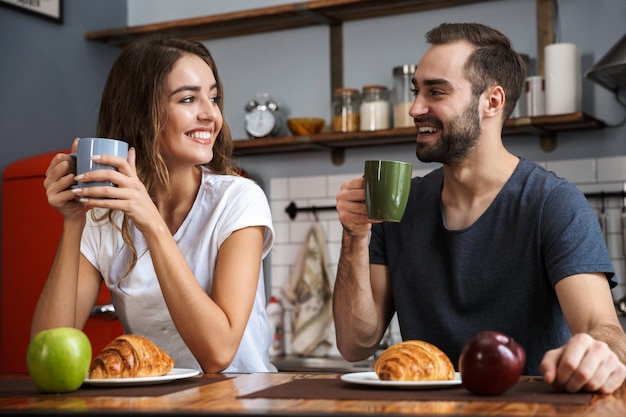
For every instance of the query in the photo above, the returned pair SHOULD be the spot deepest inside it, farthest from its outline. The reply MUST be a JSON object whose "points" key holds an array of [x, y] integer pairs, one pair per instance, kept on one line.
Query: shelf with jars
{"points": [[333, 13], [544, 126]]}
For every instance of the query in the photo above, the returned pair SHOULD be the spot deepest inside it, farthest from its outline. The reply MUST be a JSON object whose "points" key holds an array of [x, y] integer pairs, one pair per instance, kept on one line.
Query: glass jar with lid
{"points": [[375, 108], [346, 102], [402, 96]]}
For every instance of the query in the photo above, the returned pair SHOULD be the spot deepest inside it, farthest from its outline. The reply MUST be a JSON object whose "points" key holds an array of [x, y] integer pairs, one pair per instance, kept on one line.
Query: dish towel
{"points": [[309, 290]]}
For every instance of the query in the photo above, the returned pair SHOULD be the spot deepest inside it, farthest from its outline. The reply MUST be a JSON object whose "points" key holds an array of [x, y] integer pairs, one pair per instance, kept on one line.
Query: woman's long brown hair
{"points": [[134, 109]]}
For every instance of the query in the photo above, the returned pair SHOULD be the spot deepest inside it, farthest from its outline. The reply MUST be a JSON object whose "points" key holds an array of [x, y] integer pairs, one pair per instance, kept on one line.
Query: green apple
{"points": [[58, 359]]}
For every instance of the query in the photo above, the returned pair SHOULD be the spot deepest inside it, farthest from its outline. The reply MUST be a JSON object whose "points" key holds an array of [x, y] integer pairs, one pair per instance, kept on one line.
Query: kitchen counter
{"points": [[299, 394]]}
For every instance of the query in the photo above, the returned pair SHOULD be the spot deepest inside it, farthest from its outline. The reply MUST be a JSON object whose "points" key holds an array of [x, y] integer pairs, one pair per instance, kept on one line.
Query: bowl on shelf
{"points": [[300, 126]]}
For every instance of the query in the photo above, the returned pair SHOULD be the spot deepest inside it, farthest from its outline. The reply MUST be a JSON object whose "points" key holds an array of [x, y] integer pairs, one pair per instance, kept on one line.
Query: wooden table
{"points": [[223, 398]]}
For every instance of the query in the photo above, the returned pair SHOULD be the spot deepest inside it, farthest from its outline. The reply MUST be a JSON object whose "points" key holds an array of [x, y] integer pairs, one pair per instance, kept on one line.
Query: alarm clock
{"points": [[262, 117]]}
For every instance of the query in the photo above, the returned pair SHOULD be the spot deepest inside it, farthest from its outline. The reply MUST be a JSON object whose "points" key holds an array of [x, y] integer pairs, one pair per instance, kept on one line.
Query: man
{"points": [[489, 241]]}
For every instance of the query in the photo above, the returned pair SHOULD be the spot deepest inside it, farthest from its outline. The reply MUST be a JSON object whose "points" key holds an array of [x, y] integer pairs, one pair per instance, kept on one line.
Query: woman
{"points": [[180, 240]]}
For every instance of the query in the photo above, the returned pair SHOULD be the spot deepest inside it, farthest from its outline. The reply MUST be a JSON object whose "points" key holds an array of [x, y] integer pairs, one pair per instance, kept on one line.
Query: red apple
{"points": [[491, 363]]}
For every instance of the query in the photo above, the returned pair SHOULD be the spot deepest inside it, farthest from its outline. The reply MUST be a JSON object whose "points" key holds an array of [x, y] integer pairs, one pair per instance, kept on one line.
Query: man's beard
{"points": [[458, 137]]}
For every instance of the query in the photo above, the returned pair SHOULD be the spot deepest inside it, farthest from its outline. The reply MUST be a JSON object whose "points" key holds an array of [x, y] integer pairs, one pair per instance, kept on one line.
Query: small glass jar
{"points": [[346, 102], [375, 108], [402, 96]]}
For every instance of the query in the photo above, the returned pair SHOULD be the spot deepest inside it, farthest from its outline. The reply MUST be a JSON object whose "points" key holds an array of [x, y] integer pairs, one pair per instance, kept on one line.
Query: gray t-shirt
{"points": [[497, 274]]}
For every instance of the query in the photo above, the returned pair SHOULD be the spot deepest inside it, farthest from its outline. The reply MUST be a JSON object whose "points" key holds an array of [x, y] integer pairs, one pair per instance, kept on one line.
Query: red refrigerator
{"points": [[30, 233]]}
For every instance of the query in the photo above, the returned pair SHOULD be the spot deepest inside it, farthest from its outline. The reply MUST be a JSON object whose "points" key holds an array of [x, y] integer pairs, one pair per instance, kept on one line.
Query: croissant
{"points": [[130, 356], [414, 360]]}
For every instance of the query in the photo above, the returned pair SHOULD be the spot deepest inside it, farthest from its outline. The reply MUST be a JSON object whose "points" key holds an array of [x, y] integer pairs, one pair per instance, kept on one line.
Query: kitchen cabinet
{"points": [[333, 13]]}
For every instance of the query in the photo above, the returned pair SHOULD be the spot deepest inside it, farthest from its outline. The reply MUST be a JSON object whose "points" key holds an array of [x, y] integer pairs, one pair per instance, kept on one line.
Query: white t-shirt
{"points": [[223, 204]]}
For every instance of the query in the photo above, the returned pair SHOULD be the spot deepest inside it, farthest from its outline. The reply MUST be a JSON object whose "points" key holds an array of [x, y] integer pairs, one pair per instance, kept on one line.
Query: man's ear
{"points": [[494, 98]]}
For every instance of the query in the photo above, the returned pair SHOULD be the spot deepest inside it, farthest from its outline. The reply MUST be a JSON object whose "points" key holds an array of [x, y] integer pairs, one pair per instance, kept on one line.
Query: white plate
{"points": [[370, 378], [174, 374]]}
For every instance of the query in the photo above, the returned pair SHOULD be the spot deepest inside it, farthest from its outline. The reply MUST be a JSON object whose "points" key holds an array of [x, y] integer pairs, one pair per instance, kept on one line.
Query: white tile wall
{"points": [[590, 176]]}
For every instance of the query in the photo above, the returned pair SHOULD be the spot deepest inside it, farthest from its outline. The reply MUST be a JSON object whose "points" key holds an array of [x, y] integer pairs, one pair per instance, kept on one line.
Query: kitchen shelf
{"points": [[549, 125], [541, 126], [273, 18]]}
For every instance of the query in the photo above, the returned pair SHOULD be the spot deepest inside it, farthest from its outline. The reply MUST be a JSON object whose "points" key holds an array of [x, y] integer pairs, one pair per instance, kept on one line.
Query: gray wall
{"points": [[52, 78]]}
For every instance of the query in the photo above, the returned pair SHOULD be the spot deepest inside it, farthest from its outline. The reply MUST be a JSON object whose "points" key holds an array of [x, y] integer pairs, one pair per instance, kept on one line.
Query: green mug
{"points": [[387, 186]]}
